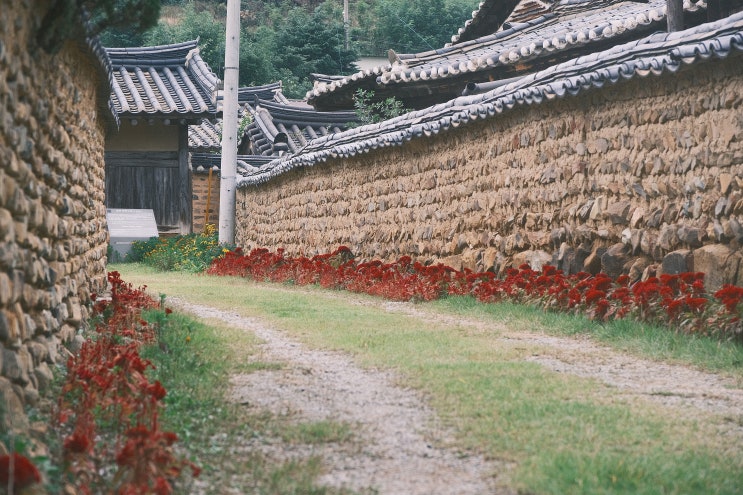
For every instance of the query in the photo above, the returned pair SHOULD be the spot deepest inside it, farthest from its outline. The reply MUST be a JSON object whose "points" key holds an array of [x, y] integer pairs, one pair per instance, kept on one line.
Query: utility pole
{"points": [[346, 24], [229, 125]]}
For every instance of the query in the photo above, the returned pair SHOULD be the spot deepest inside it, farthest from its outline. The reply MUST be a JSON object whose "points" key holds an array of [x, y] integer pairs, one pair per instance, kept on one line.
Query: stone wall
{"points": [[200, 183], [53, 234], [644, 175]]}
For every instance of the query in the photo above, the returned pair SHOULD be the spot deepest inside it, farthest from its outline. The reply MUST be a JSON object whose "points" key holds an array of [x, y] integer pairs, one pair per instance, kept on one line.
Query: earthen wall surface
{"points": [[201, 186], [53, 234]]}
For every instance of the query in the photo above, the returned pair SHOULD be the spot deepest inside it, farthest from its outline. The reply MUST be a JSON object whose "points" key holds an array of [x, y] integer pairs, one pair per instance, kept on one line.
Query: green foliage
{"points": [[140, 249], [63, 19], [371, 112], [193, 24], [189, 253], [294, 44], [410, 27]]}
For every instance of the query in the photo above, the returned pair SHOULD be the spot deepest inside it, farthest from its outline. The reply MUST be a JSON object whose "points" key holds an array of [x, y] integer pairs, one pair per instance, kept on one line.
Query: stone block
{"points": [[7, 226], [676, 262], [618, 212], [614, 259], [44, 376], [16, 365], [691, 236], [13, 417], [668, 237], [592, 263], [719, 264], [73, 311]]}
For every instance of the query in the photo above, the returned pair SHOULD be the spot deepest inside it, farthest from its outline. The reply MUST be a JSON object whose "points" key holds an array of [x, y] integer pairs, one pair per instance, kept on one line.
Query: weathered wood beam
{"points": [[675, 15]]}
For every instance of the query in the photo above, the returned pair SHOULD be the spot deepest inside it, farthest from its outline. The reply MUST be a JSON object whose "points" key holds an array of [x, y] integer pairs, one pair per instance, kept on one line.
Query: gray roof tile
{"points": [[162, 80], [535, 29]]}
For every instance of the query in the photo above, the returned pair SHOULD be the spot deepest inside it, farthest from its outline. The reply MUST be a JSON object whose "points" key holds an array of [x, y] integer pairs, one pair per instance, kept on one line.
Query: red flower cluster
{"points": [[106, 384], [678, 301], [18, 472]]}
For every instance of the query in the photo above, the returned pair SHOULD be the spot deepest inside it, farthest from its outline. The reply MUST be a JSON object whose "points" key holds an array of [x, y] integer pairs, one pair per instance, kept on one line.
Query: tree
{"points": [[371, 113], [312, 43], [63, 19], [411, 27], [193, 24]]}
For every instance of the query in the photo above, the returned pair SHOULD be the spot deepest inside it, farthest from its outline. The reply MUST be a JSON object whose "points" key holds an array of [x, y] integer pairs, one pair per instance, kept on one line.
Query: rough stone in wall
{"points": [[53, 234], [643, 176]]}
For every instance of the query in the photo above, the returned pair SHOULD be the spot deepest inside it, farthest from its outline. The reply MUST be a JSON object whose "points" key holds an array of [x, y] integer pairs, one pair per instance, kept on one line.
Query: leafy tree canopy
{"points": [[63, 19]]}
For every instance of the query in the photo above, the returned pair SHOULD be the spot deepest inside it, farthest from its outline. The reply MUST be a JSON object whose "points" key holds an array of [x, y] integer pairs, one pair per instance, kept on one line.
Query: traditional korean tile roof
{"points": [[488, 17], [293, 123], [165, 81], [271, 92], [651, 56], [536, 34], [203, 162], [207, 135]]}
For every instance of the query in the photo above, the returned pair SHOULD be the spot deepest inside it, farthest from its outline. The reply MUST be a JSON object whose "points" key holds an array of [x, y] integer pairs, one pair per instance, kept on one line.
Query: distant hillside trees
{"points": [[288, 40], [409, 26]]}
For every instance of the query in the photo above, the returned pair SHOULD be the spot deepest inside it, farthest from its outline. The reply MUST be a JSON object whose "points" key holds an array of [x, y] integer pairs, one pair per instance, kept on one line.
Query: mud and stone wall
{"points": [[53, 234], [205, 204], [644, 176]]}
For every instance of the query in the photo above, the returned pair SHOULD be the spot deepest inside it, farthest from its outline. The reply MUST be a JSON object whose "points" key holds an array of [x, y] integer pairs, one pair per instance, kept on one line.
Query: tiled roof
{"points": [[536, 35], [166, 80], [488, 17], [202, 162], [653, 55], [295, 123], [271, 91], [206, 135]]}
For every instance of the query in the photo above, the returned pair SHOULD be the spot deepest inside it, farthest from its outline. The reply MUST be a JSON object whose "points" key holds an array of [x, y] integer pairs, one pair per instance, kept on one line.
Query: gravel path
{"points": [[394, 452]]}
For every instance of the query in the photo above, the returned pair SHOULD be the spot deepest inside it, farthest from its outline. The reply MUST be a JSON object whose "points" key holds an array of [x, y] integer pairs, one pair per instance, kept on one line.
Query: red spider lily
{"points": [[730, 296], [20, 469], [680, 299], [107, 381]]}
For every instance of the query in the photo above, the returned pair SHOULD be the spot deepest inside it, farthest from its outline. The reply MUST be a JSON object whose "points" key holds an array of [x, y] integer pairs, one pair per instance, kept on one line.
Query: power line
{"points": [[414, 31]]}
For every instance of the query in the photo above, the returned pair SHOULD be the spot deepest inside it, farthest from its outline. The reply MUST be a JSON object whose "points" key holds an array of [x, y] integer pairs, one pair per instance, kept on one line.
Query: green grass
{"points": [[563, 434], [639, 339]]}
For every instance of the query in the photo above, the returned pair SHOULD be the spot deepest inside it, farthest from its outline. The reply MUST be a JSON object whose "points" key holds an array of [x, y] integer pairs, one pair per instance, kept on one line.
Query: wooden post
{"points": [[675, 15], [208, 198]]}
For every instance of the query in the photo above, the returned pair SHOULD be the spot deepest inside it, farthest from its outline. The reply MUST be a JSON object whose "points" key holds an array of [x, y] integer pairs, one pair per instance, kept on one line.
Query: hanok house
{"points": [[506, 40], [157, 93], [275, 126]]}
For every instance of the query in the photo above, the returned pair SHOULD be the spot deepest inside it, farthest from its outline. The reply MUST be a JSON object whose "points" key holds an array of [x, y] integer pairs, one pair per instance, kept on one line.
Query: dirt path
{"points": [[395, 453]]}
